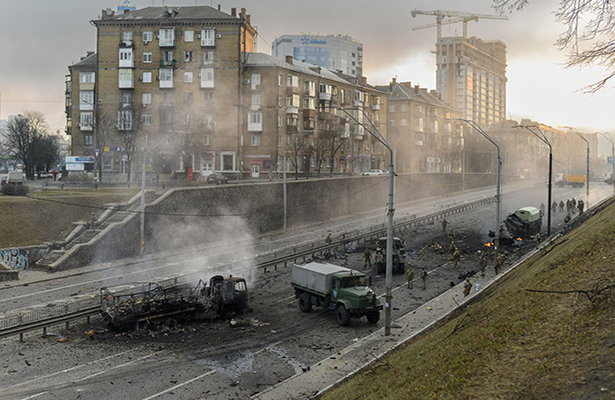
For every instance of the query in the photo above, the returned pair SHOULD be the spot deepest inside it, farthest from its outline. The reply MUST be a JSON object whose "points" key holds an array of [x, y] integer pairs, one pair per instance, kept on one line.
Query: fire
{"points": [[519, 239], [489, 244]]}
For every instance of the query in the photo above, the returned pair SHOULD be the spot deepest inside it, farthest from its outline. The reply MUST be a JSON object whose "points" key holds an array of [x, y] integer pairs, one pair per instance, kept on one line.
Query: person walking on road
{"points": [[498, 263], [451, 236], [483, 264], [561, 206], [467, 286], [554, 207], [537, 239], [424, 277], [444, 222], [456, 257], [410, 275], [581, 205], [367, 256], [328, 239]]}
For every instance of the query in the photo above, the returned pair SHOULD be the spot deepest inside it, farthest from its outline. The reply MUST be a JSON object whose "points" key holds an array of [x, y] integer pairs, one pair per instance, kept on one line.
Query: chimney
{"points": [[233, 12], [433, 92], [243, 13], [219, 7], [248, 19], [289, 59], [416, 89]]}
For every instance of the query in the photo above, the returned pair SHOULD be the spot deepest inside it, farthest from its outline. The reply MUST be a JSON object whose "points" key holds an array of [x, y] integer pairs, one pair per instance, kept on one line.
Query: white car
{"points": [[374, 172]]}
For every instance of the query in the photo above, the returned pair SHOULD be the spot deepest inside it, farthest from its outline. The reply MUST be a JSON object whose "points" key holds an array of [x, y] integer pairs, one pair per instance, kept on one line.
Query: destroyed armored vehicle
{"points": [[399, 255], [522, 224]]}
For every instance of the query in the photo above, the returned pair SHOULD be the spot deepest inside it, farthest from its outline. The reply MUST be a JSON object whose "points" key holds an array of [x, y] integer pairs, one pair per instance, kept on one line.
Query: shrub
{"points": [[15, 190]]}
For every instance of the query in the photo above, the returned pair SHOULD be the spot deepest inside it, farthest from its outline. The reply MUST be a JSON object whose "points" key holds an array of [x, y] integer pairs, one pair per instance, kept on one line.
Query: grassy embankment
{"points": [[41, 217], [512, 343]]}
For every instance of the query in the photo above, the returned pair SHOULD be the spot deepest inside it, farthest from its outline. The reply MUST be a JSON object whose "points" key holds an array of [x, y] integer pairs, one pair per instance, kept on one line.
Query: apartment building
{"points": [[471, 76], [170, 80], [423, 130], [294, 109], [333, 52]]}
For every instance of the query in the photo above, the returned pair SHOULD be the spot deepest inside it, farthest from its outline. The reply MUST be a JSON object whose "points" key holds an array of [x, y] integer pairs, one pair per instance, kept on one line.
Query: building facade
{"points": [[471, 76], [333, 52]]}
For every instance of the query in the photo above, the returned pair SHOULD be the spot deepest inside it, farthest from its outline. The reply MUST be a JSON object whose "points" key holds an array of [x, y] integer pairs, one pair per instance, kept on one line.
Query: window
{"points": [[86, 121], [309, 103], [403, 122], [126, 58], [256, 80], [126, 99], [208, 97], [208, 57], [188, 56], [86, 77], [256, 140], [279, 140], [255, 121], [207, 77], [392, 108], [88, 140], [292, 81], [187, 77], [126, 78], [256, 101], [391, 122], [86, 100], [166, 78], [124, 120], [147, 37], [206, 139], [280, 122], [147, 56], [188, 98], [127, 37], [208, 37], [280, 80], [280, 101], [167, 56], [404, 108], [188, 118], [147, 98], [293, 100], [107, 162], [147, 77], [147, 119], [167, 37], [188, 36]]}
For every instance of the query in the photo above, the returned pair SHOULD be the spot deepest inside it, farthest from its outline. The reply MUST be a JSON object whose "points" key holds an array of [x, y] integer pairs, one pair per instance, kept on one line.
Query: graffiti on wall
{"points": [[14, 259]]}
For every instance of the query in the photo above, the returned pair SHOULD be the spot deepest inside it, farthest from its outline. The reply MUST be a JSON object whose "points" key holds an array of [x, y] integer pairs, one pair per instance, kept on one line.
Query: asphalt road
{"points": [[216, 360]]}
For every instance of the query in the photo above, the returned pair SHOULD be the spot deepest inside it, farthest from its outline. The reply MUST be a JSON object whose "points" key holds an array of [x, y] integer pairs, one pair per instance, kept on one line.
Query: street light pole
{"points": [[610, 139], [498, 197], [543, 137]]}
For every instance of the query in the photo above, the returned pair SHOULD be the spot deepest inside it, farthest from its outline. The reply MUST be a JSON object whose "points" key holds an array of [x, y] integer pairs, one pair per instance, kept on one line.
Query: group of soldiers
{"points": [[572, 205]]}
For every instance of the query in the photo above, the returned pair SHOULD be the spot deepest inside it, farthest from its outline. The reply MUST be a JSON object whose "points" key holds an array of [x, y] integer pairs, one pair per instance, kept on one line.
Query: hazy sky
{"points": [[40, 38]]}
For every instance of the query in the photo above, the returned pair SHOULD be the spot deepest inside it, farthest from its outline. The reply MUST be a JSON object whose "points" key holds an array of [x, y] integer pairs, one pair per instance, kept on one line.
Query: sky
{"points": [[39, 39]]}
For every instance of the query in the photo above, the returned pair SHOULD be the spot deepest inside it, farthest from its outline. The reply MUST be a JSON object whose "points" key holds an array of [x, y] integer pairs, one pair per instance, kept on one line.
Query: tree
{"points": [[295, 150], [331, 140], [130, 122], [23, 133], [105, 130], [587, 21], [46, 153]]}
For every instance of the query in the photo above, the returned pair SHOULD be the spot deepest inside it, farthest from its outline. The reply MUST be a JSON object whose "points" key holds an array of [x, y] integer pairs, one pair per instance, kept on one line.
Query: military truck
{"points": [[570, 180], [336, 288], [399, 255]]}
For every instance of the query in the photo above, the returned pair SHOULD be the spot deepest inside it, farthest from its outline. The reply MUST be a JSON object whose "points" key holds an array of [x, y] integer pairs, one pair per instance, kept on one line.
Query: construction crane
{"points": [[457, 16]]}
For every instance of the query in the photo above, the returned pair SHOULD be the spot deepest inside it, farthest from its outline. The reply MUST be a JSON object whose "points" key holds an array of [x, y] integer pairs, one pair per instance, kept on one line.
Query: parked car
{"points": [[217, 178], [373, 172]]}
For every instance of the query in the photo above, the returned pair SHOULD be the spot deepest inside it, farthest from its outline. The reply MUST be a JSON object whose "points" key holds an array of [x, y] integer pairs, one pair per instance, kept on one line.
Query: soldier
{"points": [[568, 206], [542, 209], [567, 219], [561, 205], [410, 275], [498, 263], [456, 257], [452, 249], [574, 204], [367, 256], [93, 220], [581, 205], [451, 236], [483, 264], [424, 277], [537, 240], [467, 286], [554, 207], [444, 222], [328, 239]]}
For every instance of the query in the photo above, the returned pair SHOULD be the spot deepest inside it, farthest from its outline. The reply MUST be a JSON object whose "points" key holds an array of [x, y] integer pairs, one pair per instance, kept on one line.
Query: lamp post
{"points": [[142, 212], [389, 262], [543, 137], [610, 139], [587, 174], [498, 197]]}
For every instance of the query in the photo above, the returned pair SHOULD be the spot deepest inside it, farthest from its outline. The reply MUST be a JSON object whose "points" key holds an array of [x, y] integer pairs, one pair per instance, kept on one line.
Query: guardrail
{"points": [[32, 319]]}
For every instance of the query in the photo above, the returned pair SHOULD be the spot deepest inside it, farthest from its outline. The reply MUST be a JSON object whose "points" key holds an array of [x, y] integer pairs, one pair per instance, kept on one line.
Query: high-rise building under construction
{"points": [[471, 76]]}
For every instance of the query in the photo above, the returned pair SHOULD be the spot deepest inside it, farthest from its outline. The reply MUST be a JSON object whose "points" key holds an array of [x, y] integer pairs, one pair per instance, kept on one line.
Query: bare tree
{"points": [[295, 152], [586, 21], [130, 122], [104, 126], [46, 153], [21, 140]]}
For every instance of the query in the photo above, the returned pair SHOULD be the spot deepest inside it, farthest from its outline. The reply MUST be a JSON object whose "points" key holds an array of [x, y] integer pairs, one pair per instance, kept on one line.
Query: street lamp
{"points": [[543, 137], [498, 198], [587, 175], [389, 262], [610, 139]]}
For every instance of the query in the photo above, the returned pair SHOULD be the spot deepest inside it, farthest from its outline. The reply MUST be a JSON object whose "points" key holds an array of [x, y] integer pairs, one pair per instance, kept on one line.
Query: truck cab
{"points": [[399, 255]]}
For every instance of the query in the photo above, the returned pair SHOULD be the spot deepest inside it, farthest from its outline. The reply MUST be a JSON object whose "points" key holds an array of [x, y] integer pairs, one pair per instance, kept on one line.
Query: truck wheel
{"points": [[304, 303], [343, 315], [373, 318]]}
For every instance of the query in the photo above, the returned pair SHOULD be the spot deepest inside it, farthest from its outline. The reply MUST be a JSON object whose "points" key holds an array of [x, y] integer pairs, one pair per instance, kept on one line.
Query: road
{"points": [[216, 360]]}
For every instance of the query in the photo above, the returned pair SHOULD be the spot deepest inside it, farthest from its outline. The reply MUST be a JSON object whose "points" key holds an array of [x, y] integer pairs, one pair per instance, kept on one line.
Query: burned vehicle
{"points": [[399, 255], [522, 224], [127, 306]]}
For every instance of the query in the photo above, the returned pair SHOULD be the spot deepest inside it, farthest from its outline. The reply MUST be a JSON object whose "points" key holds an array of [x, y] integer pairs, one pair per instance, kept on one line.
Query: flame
{"points": [[489, 244], [519, 239]]}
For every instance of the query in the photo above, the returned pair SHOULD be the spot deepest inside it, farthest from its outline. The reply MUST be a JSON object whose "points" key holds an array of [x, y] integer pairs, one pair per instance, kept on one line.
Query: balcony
{"points": [[290, 90], [357, 132], [291, 129], [357, 103], [171, 63], [375, 107], [292, 110], [324, 114], [307, 113], [325, 96]]}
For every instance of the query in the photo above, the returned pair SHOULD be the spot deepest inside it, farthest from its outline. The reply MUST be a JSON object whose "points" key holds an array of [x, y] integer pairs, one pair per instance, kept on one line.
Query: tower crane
{"points": [[456, 16]]}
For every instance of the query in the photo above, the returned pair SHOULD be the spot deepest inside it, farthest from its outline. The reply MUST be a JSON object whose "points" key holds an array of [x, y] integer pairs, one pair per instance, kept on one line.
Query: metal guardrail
{"points": [[33, 319]]}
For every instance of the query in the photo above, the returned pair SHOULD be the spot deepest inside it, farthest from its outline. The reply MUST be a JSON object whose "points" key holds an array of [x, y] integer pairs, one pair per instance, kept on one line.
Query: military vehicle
{"points": [[336, 288], [399, 255]]}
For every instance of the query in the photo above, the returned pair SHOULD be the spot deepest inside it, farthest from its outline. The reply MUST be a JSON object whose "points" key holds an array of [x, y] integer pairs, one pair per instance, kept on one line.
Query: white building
{"points": [[334, 52]]}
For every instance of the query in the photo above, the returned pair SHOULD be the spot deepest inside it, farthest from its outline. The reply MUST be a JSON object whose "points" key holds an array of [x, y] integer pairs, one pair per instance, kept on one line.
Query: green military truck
{"points": [[399, 255], [339, 289]]}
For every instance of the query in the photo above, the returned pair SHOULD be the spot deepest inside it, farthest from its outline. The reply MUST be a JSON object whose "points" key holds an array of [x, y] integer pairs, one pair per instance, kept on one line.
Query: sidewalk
{"points": [[343, 365]]}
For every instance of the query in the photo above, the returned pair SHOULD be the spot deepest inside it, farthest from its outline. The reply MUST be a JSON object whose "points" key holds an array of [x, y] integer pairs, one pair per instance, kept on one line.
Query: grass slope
{"points": [[33, 220], [511, 343]]}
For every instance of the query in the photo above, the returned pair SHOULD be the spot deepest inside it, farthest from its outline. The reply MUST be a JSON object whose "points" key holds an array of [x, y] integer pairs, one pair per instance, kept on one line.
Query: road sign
{"points": [[611, 160]]}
